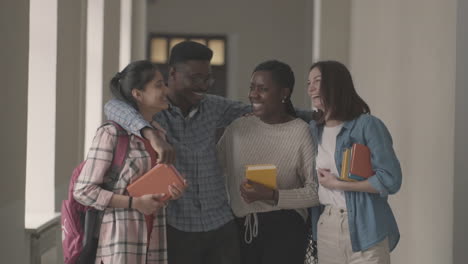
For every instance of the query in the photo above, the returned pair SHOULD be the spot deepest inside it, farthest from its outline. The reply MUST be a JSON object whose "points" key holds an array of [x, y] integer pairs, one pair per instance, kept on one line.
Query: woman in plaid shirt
{"points": [[133, 230]]}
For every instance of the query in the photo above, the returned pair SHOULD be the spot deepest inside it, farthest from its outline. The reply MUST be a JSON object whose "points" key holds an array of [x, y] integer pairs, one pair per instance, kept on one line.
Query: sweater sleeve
{"points": [[305, 196], [87, 189], [221, 149]]}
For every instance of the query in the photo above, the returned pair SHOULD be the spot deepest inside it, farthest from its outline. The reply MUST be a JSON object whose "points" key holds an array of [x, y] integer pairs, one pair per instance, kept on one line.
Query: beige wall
{"points": [[460, 234], [111, 46], [334, 27], [402, 58], [14, 27], [71, 48], [257, 31], [139, 14]]}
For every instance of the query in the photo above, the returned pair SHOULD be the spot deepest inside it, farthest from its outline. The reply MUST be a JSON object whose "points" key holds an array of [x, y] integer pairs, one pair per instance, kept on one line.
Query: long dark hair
{"points": [[339, 98], [135, 76], [283, 76]]}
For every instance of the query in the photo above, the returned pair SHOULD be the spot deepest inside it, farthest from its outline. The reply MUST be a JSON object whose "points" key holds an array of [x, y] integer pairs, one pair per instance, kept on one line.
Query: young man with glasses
{"points": [[200, 228]]}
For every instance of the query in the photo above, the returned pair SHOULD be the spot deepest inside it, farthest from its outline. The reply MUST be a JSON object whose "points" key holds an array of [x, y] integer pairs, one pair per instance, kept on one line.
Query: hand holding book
{"points": [[259, 183], [252, 191], [162, 179], [149, 203]]}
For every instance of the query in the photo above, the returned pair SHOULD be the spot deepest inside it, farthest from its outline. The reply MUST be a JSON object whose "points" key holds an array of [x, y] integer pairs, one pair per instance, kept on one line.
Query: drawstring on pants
{"points": [[251, 229]]}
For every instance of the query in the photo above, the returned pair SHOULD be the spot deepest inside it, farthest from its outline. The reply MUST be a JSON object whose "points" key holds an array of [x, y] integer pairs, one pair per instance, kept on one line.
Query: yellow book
{"points": [[262, 173], [345, 164]]}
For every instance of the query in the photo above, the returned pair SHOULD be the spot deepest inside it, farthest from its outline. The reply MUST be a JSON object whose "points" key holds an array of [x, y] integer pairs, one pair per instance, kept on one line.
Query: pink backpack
{"points": [[80, 224]]}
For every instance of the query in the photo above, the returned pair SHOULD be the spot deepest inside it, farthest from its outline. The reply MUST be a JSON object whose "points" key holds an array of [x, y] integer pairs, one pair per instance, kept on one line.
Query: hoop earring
{"points": [[283, 100]]}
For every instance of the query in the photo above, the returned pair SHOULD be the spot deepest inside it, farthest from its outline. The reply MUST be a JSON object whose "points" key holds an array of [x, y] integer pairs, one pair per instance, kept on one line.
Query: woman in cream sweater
{"points": [[272, 222]]}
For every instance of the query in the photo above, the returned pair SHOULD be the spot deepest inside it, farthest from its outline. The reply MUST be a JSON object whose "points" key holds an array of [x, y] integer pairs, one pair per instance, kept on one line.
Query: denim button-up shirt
{"points": [[370, 217]]}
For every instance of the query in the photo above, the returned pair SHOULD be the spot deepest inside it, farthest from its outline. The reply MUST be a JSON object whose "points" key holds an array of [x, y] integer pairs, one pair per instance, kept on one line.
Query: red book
{"points": [[156, 181], [360, 161]]}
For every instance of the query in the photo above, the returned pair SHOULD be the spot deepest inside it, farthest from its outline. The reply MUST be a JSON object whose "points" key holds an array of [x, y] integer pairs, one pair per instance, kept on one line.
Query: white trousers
{"points": [[334, 242]]}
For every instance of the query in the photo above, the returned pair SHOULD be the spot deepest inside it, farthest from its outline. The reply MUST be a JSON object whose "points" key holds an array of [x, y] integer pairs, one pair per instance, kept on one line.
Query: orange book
{"points": [[360, 162], [155, 181]]}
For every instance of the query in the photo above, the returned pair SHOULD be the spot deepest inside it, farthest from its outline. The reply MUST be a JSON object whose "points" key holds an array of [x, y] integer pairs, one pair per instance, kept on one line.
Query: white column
{"points": [[125, 33], [14, 25], [40, 165], [94, 66]]}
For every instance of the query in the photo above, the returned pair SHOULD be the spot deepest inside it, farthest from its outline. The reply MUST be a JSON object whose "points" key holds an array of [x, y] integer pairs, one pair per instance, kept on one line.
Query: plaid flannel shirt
{"points": [[204, 205], [123, 233]]}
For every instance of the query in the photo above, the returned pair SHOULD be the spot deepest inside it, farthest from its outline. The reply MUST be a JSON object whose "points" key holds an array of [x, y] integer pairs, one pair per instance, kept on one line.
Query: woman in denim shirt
{"points": [[356, 223]]}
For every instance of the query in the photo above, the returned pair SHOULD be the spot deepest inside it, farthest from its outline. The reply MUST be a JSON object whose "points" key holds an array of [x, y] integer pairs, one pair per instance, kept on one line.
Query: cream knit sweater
{"points": [[289, 146]]}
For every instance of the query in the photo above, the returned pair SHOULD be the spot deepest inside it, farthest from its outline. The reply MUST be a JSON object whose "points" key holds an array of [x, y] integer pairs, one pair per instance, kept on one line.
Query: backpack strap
{"points": [[120, 152]]}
